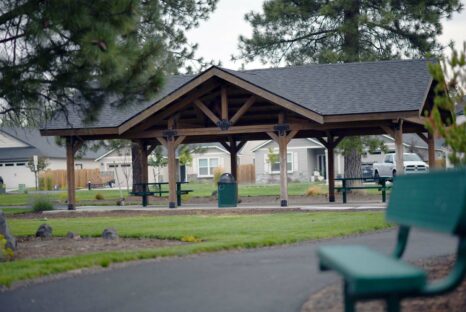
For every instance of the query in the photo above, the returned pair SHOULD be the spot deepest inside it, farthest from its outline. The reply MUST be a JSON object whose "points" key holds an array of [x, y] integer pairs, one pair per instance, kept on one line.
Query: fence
{"points": [[49, 178], [246, 174]]}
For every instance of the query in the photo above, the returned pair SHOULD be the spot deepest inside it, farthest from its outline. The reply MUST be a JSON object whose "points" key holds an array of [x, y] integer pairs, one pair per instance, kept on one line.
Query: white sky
{"points": [[218, 37]]}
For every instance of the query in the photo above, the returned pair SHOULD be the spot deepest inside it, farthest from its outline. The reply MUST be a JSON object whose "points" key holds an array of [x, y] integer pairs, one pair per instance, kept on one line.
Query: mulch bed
{"points": [[330, 299], [35, 248]]}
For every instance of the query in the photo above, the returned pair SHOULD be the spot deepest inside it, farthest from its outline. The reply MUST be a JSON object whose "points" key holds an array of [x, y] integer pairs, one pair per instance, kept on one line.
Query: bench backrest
{"points": [[435, 201]]}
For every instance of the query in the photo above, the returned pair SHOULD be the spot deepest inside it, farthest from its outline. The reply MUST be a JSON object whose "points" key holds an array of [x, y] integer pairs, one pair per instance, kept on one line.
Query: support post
{"points": [[282, 144], [234, 158], [331, 169], [70, 151], [171, 173], [431, 150], [399, 147]]}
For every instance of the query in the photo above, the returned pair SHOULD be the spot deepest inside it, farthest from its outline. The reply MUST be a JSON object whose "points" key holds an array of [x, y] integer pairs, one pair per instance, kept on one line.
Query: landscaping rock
{"points": [[72, 235], [44, 231], [110, 233], [5, 232]]}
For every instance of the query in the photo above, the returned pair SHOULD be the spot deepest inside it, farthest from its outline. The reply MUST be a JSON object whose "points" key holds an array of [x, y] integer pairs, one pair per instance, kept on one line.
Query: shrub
{"points": [[99, 196], [41, 203], [314, 191], [6, 253], [217, 173], [190, 239]]}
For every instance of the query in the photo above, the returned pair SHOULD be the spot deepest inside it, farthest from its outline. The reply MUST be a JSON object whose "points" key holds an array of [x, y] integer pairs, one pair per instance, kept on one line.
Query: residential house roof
{"points": [[34, 144]]}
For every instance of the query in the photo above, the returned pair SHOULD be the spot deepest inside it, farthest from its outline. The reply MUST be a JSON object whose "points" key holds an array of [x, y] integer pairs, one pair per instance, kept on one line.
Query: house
{"points": [[19, 145], [307, 161], [202, 167], [307, 158]]}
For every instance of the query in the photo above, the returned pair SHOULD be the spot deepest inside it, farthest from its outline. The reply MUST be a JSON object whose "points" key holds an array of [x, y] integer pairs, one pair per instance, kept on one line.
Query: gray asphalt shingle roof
{"points": [[327, 89], [36, 145]]}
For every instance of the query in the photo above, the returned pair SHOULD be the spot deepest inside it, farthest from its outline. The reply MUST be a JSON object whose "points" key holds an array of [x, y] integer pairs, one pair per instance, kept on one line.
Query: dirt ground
{"points": [[35, 248], [330, 298], [149, 213], [294, 199]]}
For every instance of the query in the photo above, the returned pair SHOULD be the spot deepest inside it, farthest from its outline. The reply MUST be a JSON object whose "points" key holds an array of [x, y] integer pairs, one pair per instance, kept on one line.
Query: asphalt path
{"points": [[271, 279]]}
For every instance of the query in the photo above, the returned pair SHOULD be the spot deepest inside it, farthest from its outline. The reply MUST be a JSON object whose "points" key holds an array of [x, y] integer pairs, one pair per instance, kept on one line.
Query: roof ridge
{"points": [[336, 64]]}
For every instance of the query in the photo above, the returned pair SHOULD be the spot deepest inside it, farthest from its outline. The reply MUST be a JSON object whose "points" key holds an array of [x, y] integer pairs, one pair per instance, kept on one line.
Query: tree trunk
{"points": [[352, 163], [351, 54], [351, 31]]}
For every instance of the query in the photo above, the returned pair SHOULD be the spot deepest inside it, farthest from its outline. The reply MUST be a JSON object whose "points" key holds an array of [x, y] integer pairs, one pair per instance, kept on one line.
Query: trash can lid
{"points": [[226, 178]]}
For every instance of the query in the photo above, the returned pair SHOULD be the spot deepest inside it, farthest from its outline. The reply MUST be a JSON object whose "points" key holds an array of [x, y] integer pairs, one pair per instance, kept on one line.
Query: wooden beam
{"points": [[240, 145], [423, 137], [388, 131], [225, 145], [399, 151], [70, 173], [282, 143], [273, 136], [162, 141], [291, 135], [324, 143], [331, 172], [243, 109], [171, 149], [207, 111], [224, 103], [179, 140], [338, 140]]}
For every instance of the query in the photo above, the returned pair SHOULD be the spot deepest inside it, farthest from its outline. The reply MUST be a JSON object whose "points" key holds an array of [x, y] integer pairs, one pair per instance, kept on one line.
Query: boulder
{"points": [[110, 233], [5, 232], [72, 235], [44, 231]]}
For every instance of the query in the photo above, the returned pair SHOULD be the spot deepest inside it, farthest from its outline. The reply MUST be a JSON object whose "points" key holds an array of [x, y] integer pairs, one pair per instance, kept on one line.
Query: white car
{"points": [[412, 163]]}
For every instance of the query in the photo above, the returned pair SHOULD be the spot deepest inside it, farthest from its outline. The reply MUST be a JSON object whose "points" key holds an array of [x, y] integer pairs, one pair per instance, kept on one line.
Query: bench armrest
{"points": [[401, 242]]}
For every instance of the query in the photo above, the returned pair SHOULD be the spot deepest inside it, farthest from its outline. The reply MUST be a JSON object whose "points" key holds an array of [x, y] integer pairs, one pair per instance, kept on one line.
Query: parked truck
{"points": [[412, 163]]}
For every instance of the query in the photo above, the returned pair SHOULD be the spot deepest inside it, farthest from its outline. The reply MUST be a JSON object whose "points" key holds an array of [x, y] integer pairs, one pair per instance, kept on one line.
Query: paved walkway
{"points": [[276, 279], [322, 206]]}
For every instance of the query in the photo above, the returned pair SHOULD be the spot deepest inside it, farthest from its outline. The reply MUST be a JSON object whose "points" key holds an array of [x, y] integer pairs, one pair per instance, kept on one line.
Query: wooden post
{"points": [[431, 150], [70, 150], [171, 173], [331, 170], [282, 143], [399, 147], [234, 162], [139, 165]]}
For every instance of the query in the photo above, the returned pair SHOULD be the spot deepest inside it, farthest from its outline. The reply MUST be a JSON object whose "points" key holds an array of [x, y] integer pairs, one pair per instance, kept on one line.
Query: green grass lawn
{"points": [[199, 190], [220, 232]]}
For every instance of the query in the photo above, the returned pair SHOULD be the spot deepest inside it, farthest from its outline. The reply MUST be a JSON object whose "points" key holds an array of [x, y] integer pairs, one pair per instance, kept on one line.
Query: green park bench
{"points": [[434, 201], [380, 184], [155, 189]]}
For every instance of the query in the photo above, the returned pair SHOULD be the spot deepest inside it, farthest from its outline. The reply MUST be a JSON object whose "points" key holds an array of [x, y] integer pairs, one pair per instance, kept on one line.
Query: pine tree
{"points": [[296, 32], [58, 55]]}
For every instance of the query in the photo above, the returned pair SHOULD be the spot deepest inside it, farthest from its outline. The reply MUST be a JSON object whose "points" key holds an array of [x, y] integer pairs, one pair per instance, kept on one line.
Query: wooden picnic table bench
{"points": [[434, 201], [155, 189], [381, 185]]}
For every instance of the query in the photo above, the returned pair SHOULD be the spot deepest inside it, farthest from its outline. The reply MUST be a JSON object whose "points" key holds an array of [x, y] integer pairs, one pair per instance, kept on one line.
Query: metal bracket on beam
{"points": [[224, 124], [170, 134], [282, 129]]}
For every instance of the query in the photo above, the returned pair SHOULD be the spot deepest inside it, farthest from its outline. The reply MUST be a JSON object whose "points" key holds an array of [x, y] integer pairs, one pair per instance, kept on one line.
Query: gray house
{"points": [[306, 161]]}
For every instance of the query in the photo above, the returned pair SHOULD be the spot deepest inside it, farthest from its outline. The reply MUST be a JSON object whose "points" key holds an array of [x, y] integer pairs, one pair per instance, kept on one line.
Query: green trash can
{"points": [[22, 188], [227, 191]]}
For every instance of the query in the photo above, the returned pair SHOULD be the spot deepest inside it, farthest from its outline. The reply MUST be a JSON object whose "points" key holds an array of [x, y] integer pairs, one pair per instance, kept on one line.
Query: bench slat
{"points": [[370, 272], [434, 201]]}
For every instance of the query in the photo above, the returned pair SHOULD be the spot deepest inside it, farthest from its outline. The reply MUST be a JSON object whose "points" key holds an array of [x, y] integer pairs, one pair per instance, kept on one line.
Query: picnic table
{"points": [[155, 189], [380, 184]]}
